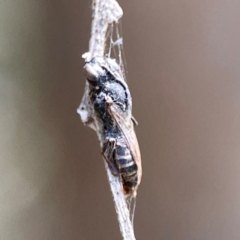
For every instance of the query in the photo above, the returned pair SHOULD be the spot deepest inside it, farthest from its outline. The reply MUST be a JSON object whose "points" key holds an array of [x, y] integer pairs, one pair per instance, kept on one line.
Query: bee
{"points": [[112, 103]]}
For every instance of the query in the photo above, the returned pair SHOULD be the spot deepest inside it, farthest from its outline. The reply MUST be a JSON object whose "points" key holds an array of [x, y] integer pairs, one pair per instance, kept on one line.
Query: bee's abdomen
{"points": [[126, 166]]}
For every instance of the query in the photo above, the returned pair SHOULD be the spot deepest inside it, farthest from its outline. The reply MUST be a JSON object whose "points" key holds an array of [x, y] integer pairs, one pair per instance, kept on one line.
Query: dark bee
{"points": [[112, 104]]}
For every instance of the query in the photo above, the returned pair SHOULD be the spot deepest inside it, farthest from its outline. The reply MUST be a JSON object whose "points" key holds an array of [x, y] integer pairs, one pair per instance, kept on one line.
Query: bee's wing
{"points": [[127, 129]]}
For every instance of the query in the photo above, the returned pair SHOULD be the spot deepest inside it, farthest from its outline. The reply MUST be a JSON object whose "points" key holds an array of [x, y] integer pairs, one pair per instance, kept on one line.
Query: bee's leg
{"points": [[109, 147], [109, 101], [108, 154], [135, 122]]}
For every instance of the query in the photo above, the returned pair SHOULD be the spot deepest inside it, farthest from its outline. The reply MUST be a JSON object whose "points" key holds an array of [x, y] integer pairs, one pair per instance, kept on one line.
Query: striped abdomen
{"points": [[126, 166]]}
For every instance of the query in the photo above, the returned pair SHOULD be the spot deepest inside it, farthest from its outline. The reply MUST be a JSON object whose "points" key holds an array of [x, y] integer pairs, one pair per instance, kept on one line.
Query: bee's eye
{"points": [[90, 72], [93, 72]]}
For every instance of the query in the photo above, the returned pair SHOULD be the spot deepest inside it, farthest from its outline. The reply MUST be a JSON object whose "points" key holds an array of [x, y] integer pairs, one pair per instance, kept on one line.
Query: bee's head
{"points": [[94, 70]]}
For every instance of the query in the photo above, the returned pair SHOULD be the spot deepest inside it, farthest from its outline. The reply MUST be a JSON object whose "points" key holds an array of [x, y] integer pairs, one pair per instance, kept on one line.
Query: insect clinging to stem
{"points": [[112, 104]]}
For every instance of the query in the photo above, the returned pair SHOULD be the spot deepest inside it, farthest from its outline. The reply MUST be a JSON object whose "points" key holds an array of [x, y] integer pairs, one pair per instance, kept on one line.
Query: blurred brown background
{"points": [[183, 59]]}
